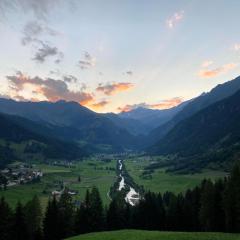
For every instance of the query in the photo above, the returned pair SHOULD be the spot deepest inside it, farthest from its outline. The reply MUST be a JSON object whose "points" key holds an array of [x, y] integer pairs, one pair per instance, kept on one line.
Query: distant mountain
{"points": [[216, 94], [210, 136], [22, 141], [73, 122], [152, 118], [133, 126]]}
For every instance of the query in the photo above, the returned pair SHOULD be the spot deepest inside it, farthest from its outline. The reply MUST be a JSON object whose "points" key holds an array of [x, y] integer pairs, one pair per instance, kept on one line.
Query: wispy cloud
{"points": [[114, 88], [130, 73], [236, 47], [70, 78], [207, 63], [174, 19], [33, 30], [217, 71], [33, 34], [49, 88], [39, 8], [87, 62], [164, 104], [46, 51]]}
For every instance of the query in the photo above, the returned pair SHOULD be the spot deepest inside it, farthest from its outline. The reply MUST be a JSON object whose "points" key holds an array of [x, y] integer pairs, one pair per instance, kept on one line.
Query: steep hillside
{"points": [[18, 142], [216, 94], [73, 122], [210, 135]]}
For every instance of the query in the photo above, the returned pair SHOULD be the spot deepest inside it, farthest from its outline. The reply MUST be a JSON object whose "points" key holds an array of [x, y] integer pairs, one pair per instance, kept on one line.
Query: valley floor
{"points": [[102, 174], [161, 181], [155, 235]]}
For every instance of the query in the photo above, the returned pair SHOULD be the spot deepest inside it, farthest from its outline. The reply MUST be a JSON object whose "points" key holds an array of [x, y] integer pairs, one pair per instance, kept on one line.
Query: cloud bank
{"points": [[164, 104], [49, 88], [114, 88], [216, 71]]}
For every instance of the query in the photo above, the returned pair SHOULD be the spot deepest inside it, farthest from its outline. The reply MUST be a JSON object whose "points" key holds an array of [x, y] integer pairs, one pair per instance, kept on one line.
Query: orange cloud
{"points": [[114, 88], [174, 19], [164, 104], [99, 105], [36, 88], [217, 71]]}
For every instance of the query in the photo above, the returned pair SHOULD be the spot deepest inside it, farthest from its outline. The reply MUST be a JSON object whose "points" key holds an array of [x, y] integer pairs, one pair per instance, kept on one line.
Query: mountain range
{"points": [[194, 131]]}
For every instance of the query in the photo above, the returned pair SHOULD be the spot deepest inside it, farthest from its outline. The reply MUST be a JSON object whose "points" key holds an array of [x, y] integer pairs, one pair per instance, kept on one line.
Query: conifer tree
{"points": [[19, 229], [33, 213], [232, 201], [66, 215], [6, 217], [96, 219], [51, 221], [207, 214]]}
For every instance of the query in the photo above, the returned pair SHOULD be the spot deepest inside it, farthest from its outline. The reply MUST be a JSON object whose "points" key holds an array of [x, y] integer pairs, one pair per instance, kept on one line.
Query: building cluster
{"points": [[20, 175]]}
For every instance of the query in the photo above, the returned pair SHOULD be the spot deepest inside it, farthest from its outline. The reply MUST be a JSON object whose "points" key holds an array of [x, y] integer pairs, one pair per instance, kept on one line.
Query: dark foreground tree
{"points": [[66, 215], [6, 217], [19, 229], [232, 201], [96, 219], [34, 218], [51, 221]]}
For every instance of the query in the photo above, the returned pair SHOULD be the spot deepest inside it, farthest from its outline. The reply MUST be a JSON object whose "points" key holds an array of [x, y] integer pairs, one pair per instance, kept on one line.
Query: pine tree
{"points": [[219, 207], [95, 211], [19, 229], [82, 218], [33, 217], [116, 213], [171, 209], [51, 221], [6, 216], [207, 214], [232, 201], [66, 215], [161, 212], [113, 218]]}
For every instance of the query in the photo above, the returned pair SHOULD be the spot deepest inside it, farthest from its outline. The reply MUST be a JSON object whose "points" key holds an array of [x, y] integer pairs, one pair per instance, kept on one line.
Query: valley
{"points": [[119, 120], [103, 171]]}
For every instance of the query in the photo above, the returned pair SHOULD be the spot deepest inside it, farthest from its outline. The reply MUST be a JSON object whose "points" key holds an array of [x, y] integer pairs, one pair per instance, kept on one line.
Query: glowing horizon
{"points": [[113, 57]]}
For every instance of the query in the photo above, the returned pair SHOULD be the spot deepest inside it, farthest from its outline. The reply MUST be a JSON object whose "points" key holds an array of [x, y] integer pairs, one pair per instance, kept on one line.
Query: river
{"points": [[132, 197]]}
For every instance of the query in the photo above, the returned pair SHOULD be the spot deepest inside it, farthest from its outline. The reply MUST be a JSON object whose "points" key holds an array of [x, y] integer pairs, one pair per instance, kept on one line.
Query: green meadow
{"points": [[155, 235], [101, 174], [161, 181], [92, 173]]}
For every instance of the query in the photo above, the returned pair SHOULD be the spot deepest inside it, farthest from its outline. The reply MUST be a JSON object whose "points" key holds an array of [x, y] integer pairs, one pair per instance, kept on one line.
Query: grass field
{"points": [[155, 235], [101, 174], [92, 173], [162, 181]]}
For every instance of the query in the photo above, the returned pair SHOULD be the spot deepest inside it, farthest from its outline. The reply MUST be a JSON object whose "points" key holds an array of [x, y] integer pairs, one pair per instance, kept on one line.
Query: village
{"points": [[19, 174]]}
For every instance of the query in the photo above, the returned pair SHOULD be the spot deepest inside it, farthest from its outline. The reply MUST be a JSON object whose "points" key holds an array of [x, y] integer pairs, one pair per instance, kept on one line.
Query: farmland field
{"points": [[102, 174], [161, 181], [155, 235], [92, 173]]}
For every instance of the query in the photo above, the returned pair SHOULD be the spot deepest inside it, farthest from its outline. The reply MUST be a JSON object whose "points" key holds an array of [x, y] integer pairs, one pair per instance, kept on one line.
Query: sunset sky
{"points": [[117, 55]]}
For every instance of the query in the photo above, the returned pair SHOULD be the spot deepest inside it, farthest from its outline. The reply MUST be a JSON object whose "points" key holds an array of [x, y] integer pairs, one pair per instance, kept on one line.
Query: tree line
{"points": [[211, 206]]}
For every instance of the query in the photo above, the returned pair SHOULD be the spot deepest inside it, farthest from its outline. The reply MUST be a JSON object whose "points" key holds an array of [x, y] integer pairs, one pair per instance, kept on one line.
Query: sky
{"points": [[113, 56]]}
